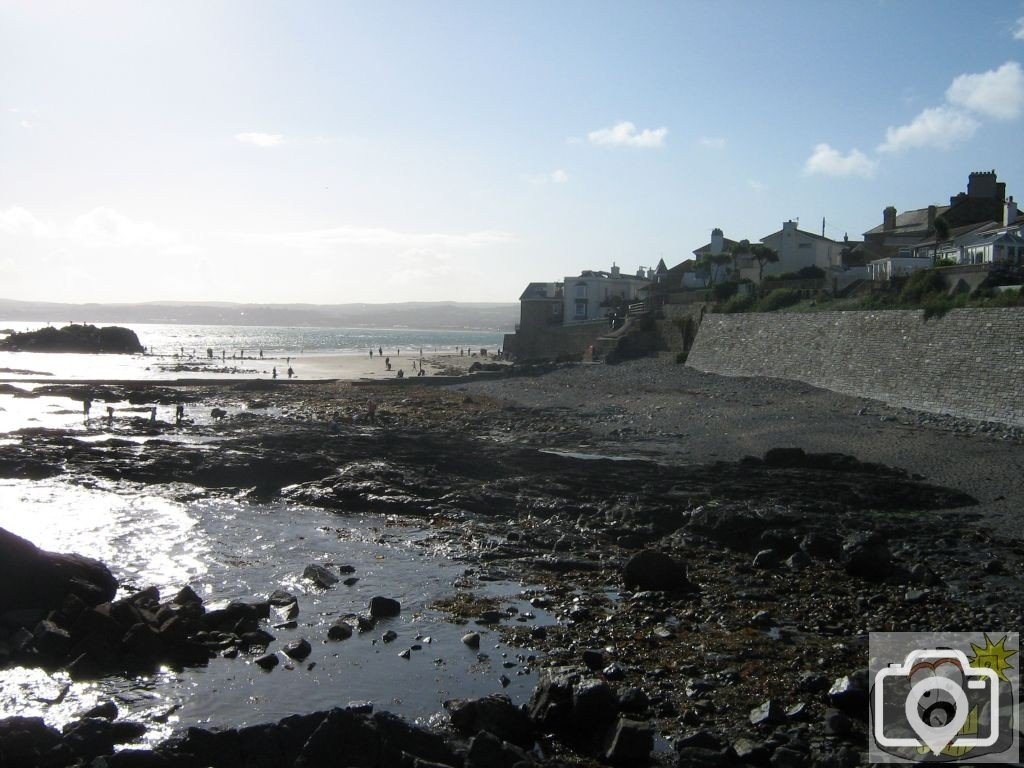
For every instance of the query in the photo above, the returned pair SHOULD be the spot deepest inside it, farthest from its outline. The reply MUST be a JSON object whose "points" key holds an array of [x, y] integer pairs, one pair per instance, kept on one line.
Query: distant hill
{"points": [[425, 315]]}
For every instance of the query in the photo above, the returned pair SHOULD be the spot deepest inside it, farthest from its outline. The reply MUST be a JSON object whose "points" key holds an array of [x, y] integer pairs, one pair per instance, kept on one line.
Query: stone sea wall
{"points": [[968, 363]]}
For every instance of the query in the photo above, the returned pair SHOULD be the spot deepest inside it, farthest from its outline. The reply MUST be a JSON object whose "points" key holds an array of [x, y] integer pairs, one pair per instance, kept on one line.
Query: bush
{"points": [[921, 285], [811, 273], [778, 299], [722, 291], [737, 304]]}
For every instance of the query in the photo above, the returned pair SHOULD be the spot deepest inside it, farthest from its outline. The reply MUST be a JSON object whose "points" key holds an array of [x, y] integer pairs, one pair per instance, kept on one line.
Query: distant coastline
{"points": [[408, 315]]}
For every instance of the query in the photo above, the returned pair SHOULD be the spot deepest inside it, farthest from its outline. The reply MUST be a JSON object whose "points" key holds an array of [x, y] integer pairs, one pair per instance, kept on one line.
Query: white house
{"points": [[797, 249], [589, 295], [882, 270]]}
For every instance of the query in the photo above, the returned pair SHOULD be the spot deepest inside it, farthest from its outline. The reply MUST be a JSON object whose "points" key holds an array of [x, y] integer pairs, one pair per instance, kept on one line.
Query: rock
{"points": [[787, 757], [821, 546], [651, 570], [267, 661], [613, 673], [187, 596], [406, 654], [836, 723], [785, 457], [86, 339], [702, 739], [488, 751], [850, 694], [107, 711], [494, 714], [471, 640], [766, 559], [46, 578], [770, 712], [630, 744], [279, 598], [798, 561], [382, 607], [298, 649], [340, 630], [866, 554], [698, 757], [389, 636], [320, 576], [594, 707], [633, 699], [594, 658]]}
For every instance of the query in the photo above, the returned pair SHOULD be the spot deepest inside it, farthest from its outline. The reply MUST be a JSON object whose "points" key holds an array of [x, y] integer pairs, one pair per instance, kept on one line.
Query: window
{"points": [[581, 309], [581, 290]]}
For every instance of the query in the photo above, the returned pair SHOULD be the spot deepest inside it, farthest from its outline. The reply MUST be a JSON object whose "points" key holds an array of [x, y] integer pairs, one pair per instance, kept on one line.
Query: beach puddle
{"points": [[229, 550]]}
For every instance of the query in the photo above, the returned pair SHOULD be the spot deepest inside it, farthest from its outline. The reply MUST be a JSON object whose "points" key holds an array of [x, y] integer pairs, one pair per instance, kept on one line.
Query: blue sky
{"points": [[412, 151]]}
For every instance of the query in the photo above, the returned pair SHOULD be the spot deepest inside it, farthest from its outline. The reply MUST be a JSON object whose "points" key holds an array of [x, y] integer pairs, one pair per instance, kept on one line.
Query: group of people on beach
{"points": [[179, 413]]}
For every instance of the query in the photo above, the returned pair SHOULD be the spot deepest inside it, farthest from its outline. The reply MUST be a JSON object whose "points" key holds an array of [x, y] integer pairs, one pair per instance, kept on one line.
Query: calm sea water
{"points": [[231, 341]]}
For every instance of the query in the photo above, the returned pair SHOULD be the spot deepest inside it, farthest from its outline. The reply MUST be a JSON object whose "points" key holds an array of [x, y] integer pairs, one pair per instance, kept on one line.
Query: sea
{"points": [[232, 548], [166, 342]]}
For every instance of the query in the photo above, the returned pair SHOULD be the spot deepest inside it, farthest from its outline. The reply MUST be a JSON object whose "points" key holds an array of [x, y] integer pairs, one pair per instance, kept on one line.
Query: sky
{"points": [[377, 151]]}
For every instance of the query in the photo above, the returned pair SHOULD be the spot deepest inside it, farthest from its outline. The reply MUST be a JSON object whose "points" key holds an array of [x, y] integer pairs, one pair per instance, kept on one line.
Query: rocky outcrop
{"points": [[75, 338], [37, 580]]}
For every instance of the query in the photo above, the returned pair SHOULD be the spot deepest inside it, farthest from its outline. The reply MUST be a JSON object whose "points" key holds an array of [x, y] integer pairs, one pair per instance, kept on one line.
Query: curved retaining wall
{"points": [[969, 362]]}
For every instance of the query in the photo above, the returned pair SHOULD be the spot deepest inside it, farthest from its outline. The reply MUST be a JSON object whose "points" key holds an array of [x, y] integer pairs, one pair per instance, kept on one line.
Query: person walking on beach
{"points": [[110, 416], [290, 372], [371, 354], [371, 411], [86, 407], [275, 371], [380, 352], [179, 413]]}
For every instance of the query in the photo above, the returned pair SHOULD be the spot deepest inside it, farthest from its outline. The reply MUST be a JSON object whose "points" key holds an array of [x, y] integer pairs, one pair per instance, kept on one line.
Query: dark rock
{"points": [[866, 554], [651, 570], [340, 630], [46, 578], [767, 559], [107, 711], [698, 757], [613, 673], [319, 575], [821, 546], [50, 640], [630, 744], [594, 658], [24, 740], [850, 694], [495, 714], [634, 700], [382, 607], [86, 339], [488, 751], [594, 706], [471, 640], [702, 739], [770, 712], [389, 636], [267, 661], [836, 723], [298, 649], [786, 757], [785, 457], [279, 598], [798, 561]]}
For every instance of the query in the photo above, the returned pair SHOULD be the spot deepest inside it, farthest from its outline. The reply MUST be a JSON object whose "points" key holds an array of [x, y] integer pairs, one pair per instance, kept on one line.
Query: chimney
{"points": [[889, 218], [931, 217], [615, 270], [717, 241], [1009, 212]]}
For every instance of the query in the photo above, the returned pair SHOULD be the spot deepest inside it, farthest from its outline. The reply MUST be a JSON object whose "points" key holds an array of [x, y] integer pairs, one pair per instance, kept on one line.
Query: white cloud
{"points": [[258, 139], [940, 127], [712, 142], [998, 93], [105, 227], [559, 177], [756, 185], [624, 134], [20, 221], [827, 161], [1018, 33]]}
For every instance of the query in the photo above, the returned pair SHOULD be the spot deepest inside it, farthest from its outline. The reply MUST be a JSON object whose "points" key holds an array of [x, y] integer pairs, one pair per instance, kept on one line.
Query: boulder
{"points": [[651, 570], [382, 607], [45, 579], [320, 576]]}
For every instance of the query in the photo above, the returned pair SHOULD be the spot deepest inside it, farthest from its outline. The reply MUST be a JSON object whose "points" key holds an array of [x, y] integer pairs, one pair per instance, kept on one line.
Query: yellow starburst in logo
{"points": [[993, 656]]}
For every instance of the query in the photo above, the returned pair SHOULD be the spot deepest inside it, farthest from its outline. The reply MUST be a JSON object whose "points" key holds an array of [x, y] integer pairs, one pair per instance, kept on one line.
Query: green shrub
{"points": [[921, 285], [778, 299], [811, 273], [722, 291], [737, 304]]}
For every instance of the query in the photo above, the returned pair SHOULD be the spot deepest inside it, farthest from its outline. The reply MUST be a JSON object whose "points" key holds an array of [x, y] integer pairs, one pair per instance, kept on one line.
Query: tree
{"points": [[763, 255], [712, 263]]}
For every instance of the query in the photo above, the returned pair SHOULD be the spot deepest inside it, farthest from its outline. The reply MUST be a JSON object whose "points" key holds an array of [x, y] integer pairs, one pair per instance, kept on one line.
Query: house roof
{"points": [[726, 242], [958, 232], [802, 232], [541, 291], [909, 222], [1000, 236]]}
